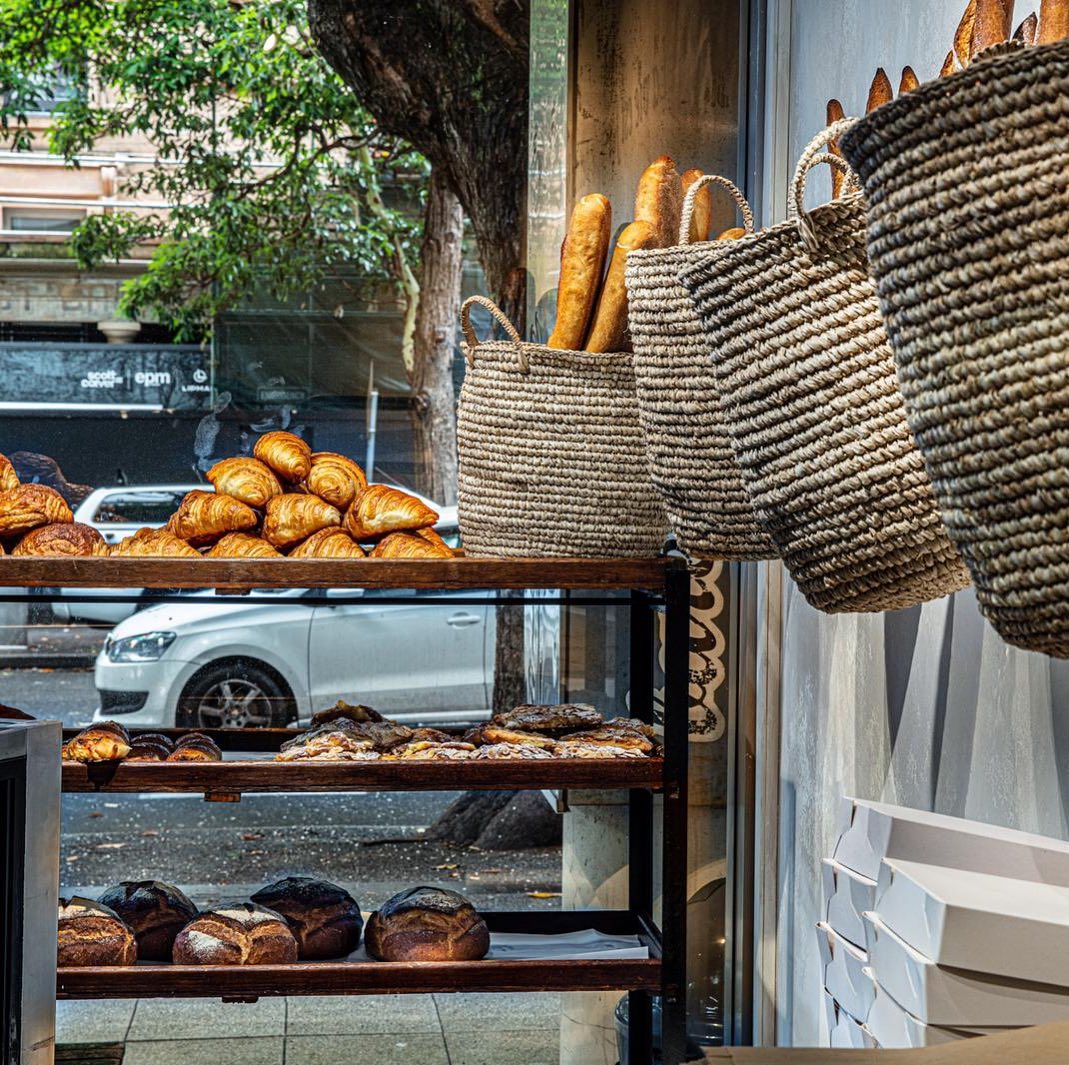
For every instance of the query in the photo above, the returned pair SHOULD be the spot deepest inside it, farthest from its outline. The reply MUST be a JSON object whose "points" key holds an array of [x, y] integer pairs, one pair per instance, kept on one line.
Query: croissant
{"points": [[248, 480], [380, 509], [335, 478], [8, 477], [409, 545], [60, 539], [242, 545], [291, 518], [288, 455], [431, 536], [328, 543], [202, 517], [152, 543], [26, 506]]}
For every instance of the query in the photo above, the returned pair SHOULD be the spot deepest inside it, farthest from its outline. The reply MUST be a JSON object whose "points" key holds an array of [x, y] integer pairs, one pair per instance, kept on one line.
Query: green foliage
{"points": [[258, 147]]}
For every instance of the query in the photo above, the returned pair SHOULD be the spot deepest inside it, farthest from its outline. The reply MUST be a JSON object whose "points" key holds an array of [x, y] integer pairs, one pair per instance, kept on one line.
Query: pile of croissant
{"points": [[284, 500]]}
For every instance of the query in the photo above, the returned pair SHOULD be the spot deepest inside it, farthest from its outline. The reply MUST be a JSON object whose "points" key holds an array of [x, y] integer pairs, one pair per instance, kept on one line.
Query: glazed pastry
{"points": [[92, 934], [324, 918], [335, 479], [612, 737], [291, 518], [236, 933], [8, 477], [563, 718], [27, 506], [155, 912], [332, 542], [510, 750], [380, 509], [249, 480], [350, 711], [63, 539], [153, 543], [594, 750], [288, 455], [489, 734], [105, 741], [203, 517], [328, 754], [243, 545], [427, 924], [409, 545], [428, 751], [632, 723], [196, 747]]}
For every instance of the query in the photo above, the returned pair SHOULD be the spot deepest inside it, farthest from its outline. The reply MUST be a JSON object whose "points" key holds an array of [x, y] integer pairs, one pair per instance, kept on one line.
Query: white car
{"points": [[205, 662]]}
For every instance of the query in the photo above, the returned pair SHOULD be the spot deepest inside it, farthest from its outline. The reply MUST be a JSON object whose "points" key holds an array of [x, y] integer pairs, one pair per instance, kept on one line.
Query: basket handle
{"points": [[692, 192], [471, 341], [814, 155]]}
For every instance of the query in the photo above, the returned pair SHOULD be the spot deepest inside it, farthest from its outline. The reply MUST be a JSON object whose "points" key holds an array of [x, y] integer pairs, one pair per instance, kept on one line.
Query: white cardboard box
{"points": [[844, 972], [873, 831], [845, 1033], [848, 895], [956, 998], [968, 920]]}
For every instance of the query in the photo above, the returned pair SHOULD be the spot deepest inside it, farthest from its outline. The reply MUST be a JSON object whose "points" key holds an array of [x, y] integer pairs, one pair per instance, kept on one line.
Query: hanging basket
{"points": [[968, 182], [552, 460], [808, 384], [690, 458]]}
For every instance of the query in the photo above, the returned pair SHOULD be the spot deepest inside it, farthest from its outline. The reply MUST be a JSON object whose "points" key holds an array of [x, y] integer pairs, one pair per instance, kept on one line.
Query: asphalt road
{"points": [[66, 694]]}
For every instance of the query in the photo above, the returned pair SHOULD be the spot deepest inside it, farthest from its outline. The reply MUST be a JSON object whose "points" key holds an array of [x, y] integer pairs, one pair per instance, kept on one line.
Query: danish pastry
{"points": [[249, 480], [152, 543], [243, 545], [61, 539], [288, 455], [380, 509], [291, 518], [27, 506], [203, 517], [332, 542], [409, 545], [8, 477], [335, 479]]}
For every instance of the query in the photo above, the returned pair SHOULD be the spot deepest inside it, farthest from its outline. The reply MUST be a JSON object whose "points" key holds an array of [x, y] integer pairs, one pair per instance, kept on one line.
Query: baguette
{"points": [[992, 25], [1053, 21], [582, 260], [609, 330], [835, 113], [659, 200], [963, 35], [909, 81], [702, 216], [735, 233], [1026, 33], [948, 66], [880, 91]]}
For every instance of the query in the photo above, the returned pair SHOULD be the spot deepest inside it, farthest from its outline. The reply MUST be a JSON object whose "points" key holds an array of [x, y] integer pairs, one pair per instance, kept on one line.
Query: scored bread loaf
{"points": [[154, 911], [236, 933], [324, 918], [93, 934], [426, 924]]}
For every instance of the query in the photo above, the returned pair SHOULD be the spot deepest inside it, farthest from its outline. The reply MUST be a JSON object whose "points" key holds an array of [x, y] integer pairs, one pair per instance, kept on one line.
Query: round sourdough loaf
{"points": [[156, 912], [324, 918], [92, 934], [427, 924], [236, 933]]}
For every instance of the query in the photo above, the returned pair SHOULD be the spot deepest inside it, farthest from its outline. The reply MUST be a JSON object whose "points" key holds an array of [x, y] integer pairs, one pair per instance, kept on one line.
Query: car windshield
{"points": [[137, 508]]}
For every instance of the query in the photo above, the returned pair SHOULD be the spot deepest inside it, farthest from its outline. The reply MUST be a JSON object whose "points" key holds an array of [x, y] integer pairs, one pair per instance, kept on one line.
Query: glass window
{"points": [[41, 219], [137, 508]]}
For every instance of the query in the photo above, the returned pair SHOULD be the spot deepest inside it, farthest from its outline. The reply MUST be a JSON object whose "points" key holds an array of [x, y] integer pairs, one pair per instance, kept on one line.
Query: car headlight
{"points": [[148, 647]]}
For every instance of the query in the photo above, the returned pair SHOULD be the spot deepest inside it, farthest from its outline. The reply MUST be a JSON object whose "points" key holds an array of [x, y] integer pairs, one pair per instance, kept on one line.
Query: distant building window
{"points": [[58, 89], [41, 219]]}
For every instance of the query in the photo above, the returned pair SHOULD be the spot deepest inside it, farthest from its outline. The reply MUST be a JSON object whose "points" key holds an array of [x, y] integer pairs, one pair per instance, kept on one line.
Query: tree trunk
{"points": [[434, 420]]}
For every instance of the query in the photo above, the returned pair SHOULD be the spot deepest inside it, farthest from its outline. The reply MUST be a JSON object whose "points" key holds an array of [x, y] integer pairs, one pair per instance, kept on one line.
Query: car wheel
{"points": [[236, 694]]}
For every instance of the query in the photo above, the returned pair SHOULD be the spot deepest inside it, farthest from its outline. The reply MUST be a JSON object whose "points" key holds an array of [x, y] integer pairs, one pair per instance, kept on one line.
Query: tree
{"points": [[275, 173]]}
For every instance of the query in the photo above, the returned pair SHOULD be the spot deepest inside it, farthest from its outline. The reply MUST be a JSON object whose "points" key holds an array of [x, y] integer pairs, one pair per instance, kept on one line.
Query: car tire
{"points": [[236, 693]]}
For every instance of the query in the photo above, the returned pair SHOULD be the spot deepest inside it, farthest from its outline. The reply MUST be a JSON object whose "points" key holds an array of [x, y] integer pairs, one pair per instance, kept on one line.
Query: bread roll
{"points": [[609, 331], [324, 918], [582, 261], [93, 934], [104, 741], [236, 933], [701, 218], [427, 924], [154, 911], [659, 200], [1053, 21]]}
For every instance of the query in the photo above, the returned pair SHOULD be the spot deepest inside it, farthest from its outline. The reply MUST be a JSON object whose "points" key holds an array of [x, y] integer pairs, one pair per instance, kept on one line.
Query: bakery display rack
{"points": [[644, 588]]}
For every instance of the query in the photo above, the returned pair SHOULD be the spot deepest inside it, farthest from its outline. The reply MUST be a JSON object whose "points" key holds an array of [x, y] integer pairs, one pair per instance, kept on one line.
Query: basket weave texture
{"points": [[968, 184], [690, 457], [808, 383], [552, 457]]}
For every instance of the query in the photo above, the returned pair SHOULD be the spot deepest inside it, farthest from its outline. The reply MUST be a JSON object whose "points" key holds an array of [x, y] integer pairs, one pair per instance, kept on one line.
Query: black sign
{"points": [[168, 377]]}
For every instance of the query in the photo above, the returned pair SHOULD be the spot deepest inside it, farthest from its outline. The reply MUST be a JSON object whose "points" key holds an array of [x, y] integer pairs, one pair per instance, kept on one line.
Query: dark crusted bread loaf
{"points": [[156, 912], [236, 933], [92, 934], [426, 924], [324, 918]]}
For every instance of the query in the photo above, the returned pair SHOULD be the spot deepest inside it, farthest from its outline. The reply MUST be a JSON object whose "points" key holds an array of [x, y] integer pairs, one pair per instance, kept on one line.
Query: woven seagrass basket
{"points": [[808, 384], [691, 461], [968, 184], [552, 459]]}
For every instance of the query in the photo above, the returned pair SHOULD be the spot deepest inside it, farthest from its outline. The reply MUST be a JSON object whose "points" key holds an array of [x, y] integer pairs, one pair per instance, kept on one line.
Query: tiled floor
{"points": [[358, 1030]]}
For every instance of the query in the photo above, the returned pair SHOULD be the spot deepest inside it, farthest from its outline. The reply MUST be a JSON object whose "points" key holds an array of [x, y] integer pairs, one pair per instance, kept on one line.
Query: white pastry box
{"points": [[845, 978], [845, 1033], [848, 896], [873, 831], [957, 998], [893, 1028]]}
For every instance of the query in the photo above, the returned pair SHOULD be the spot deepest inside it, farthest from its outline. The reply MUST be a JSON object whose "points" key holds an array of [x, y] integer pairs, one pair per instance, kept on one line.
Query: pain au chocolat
{"points": [[154, 911], [324, 918], [204, 517], [427, 924], [380, 509], [27, 506], [335, 479], [249, 480], [61, 540], [288, 455], [292, 517]]}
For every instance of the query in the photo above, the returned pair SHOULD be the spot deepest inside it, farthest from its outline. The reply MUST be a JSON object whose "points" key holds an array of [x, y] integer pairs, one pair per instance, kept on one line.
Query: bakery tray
{"points": [[249, 982], [249, 766]]}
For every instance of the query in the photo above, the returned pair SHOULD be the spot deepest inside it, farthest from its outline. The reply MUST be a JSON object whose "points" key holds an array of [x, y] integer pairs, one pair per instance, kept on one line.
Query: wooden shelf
{"points": [[644, 574], [343, 977]]}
